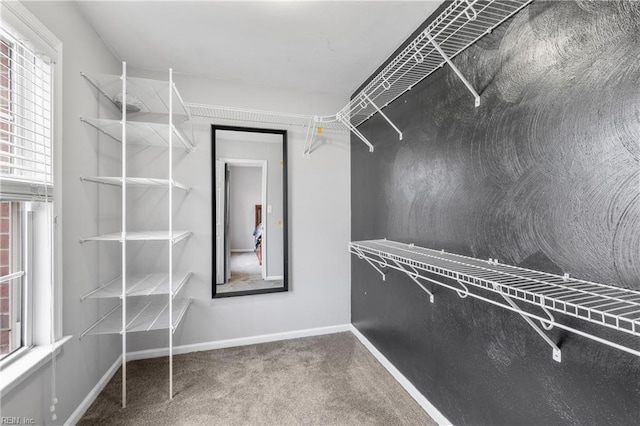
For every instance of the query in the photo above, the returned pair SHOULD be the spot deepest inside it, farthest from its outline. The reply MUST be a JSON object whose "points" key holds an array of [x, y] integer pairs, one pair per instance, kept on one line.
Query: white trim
{"points": [[22, 20], [243, 341], [274, 278], [404, 382], [93, 394], [242, 250], [27, 364]]}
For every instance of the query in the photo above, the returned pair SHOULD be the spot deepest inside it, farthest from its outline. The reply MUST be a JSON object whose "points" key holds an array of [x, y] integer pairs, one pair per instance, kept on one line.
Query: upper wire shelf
{"points": [[143, 315], [144, 95], [606, 305], [141, 236], [139, 132], [457, 28], [140, 285], [260, 116]]}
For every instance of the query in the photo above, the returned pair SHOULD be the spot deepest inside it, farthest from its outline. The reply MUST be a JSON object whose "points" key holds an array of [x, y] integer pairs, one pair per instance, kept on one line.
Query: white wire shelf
{"points": [[143, 315], [457, 28], [144, 95], [140, 285], [606, 305], [134, 181], [258, 116], [140, 132], [141, 236]]}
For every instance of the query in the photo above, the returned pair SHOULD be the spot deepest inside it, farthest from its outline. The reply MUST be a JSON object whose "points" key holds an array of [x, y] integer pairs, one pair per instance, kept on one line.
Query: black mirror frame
{"points": [[285, 200]]}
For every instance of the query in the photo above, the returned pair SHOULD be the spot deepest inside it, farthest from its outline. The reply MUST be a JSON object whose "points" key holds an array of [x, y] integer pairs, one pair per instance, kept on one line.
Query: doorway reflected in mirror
{"points": [[249, 211]]}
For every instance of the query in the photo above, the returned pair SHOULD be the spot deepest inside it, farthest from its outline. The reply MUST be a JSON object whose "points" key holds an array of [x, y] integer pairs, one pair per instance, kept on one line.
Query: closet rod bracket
{"points": [[454, 68]]}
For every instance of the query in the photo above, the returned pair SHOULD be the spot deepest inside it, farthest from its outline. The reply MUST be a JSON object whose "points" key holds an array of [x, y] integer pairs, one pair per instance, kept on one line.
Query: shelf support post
{"points": [[557, 354], [124, 234], [368, 99], [454, 68]]}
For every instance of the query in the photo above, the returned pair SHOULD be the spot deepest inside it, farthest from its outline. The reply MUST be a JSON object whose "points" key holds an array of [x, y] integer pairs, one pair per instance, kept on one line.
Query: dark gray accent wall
{"points": [[544, 174]]}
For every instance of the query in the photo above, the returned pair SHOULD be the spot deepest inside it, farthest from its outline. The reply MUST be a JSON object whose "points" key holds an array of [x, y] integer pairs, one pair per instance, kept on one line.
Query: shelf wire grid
{"points": [[458, 27], [139, 132], [606, 305], [259, 116]]}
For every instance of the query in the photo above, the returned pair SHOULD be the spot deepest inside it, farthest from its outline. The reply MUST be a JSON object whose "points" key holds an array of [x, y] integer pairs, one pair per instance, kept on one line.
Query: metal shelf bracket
{"points": [[557, 354], [345, 120], [370, 262], [308, 142], [414, 277], [454, 68], [363, 104]]}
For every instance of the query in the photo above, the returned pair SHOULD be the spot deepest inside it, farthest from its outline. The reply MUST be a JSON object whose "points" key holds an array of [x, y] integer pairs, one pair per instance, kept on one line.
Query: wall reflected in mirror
{"points": [[250, 218]]}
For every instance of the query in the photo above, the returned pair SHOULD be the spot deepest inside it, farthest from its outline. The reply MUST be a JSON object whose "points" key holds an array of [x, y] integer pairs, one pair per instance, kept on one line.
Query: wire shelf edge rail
{"points": [[605, 305]]}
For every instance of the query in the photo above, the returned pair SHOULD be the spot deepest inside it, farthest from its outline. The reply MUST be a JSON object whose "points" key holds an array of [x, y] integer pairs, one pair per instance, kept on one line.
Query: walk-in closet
{"points": [[320, 212]]}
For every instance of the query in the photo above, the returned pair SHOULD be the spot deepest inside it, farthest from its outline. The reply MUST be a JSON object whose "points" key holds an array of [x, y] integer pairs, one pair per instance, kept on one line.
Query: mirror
{"points": [[249, 211]]}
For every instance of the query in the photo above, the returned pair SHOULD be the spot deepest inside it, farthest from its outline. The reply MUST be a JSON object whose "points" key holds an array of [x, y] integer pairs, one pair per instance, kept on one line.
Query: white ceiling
{"points": [[320, 46]]}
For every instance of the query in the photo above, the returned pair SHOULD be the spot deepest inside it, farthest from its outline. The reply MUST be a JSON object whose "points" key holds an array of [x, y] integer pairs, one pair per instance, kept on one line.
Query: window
{"points": [[26, 191]]}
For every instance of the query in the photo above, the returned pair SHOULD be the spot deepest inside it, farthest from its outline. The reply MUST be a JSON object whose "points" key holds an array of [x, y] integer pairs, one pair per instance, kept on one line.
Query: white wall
{"points": [[318, 225], [84, 206], [246, 191]]}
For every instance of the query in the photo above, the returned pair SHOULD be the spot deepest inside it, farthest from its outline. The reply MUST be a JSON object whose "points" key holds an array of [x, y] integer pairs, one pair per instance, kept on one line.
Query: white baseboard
{"points": [[406, 384], [243, 341], [88, 400]]}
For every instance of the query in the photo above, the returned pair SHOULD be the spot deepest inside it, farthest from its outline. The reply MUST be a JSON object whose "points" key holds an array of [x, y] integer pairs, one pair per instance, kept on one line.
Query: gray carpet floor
{"points": [[323, 380], [246, 274]]}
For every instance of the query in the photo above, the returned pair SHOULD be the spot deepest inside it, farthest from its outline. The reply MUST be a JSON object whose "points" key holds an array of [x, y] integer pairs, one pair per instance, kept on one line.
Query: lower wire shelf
{"points": [[142, 315], [140, 285], [605, 305]]}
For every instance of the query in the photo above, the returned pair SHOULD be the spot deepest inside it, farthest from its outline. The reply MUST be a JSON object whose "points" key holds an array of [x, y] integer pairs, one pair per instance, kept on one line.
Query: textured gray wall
{"points": [[544, 174]]}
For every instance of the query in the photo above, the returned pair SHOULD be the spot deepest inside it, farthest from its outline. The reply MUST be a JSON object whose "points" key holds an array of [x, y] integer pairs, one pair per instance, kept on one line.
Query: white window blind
{"points": [[26, 154]]}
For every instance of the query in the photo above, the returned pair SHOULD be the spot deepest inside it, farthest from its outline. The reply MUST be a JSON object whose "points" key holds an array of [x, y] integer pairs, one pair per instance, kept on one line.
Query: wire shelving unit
{"points": [[605, 305], [147, 301]]}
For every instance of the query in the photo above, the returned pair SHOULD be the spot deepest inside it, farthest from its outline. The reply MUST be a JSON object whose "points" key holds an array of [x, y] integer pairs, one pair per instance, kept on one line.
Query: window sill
{"points": [[27, 364]]}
